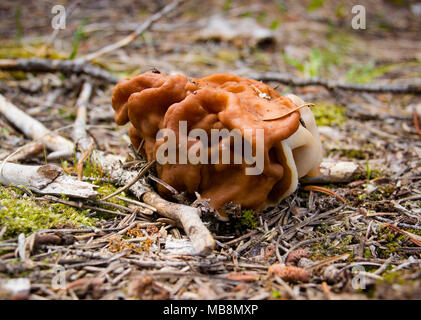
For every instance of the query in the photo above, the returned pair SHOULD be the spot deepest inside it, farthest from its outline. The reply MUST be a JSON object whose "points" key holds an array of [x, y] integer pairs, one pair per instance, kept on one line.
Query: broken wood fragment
{"points": [[334, 171], [29, 150], [47, 179]]}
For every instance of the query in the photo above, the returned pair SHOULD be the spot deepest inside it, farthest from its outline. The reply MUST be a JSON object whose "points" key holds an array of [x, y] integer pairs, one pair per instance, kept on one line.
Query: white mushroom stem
{"points": [[188, 217], [34, 129], [301, 152], [47, 179]]}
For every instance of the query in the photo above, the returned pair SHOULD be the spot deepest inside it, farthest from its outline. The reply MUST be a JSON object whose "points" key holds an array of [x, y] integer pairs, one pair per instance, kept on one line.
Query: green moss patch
{"points": [[20, 213], [328, 114], [248, 219]]}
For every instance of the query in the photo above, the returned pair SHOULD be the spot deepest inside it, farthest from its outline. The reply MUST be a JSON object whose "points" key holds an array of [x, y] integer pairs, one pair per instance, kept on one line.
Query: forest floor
{"points": [[366, 248]]}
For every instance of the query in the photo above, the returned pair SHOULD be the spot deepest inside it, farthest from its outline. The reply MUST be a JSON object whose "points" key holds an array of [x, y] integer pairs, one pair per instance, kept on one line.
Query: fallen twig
{"points": [[136, 203], [76, 66], [202, 240], [332, 85], [29, 150], [84, 142], [141, 29], [36, 130], [325, 191], [82, 66], [290, 233]]}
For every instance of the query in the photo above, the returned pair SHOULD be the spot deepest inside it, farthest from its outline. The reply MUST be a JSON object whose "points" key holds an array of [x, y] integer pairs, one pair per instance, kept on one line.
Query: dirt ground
{"points": [[367, 246]]}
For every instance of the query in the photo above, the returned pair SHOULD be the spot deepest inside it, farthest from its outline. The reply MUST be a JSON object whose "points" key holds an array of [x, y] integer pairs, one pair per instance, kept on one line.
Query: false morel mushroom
{"points": [[279, 133]]}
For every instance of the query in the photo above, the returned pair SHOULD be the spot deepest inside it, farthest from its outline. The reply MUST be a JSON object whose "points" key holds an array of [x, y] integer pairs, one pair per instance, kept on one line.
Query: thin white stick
{"points": [[141, 29], [34, 129], [80, 137], [84, 142]]}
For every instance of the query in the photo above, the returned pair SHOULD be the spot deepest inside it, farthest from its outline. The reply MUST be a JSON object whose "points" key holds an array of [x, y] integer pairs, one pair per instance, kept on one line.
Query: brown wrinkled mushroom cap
{"points": [[154, 101]]}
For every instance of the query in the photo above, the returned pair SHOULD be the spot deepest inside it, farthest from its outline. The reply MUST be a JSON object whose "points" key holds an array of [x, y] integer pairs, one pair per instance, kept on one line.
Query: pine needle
{"points": [[325, 191]]}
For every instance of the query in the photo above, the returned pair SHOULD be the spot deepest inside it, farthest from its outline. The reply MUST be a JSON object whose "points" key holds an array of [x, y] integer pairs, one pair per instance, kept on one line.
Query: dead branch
{"points": [[141, 173], [200, 236], [47, 179], [81, 66], [76, 66], [84, 142], [141, 29], [333, 85], [189, 217], [36, 130]]}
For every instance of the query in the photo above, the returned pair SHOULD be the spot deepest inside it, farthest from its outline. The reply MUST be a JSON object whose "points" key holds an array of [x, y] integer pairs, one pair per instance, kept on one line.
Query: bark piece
{"points": [[334, 171]]}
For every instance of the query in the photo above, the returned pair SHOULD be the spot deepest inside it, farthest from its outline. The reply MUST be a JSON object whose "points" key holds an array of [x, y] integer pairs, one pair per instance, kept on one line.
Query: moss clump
{"points": [[367, 253], [15, 75], [248, 219], [382, 192], [390, 240], [276, 295], [92, 170], [20, 213], [395, 277], [354, 154], [328, 114], [105, 189], [13, 50], [327, 248]]}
